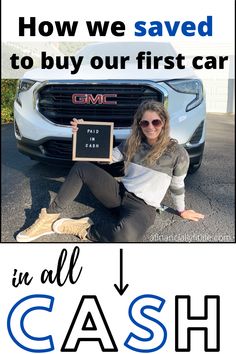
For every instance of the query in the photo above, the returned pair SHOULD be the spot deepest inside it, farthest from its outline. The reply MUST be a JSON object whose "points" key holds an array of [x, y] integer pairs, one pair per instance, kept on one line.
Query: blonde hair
{"points": [[136, 137]]}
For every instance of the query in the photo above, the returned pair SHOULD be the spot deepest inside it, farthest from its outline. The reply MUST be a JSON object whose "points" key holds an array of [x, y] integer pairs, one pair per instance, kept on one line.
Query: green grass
{"points": [[8, 92]]}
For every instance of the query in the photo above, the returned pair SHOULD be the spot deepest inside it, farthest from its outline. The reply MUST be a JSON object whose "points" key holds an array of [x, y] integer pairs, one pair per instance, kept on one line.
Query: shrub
{"points": [[8, 90]]}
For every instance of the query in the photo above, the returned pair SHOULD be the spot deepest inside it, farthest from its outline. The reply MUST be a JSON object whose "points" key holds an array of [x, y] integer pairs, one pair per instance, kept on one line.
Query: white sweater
{"points": [[152, 182]]}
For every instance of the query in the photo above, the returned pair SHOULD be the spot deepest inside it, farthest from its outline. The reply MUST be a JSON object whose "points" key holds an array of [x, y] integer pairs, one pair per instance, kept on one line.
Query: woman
{"points": [[153, 163]]}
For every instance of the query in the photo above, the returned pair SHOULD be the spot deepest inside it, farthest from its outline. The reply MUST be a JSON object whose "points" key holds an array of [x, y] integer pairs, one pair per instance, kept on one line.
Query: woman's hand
{"points": [[74, 123], [191, 215]]}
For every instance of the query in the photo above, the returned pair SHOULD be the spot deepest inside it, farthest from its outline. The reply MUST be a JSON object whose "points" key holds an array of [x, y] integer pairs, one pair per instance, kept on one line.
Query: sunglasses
{"points": [[145, 123]]}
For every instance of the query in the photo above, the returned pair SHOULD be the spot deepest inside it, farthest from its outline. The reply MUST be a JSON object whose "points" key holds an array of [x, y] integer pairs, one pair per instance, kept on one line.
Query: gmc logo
{"points": [[88, 98]]}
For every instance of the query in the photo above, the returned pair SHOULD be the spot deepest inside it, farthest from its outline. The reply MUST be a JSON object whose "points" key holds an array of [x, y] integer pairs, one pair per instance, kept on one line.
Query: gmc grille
{"points": [[61, 148], [54, 101]]}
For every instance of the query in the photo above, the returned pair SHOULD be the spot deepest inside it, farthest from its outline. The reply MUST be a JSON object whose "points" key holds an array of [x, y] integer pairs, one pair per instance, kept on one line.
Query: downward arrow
{"points": [[120, 288]]}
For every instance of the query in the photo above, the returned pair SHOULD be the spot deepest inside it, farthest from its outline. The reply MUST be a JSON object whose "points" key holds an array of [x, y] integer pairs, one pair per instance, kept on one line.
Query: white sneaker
{"points": [[42, 226], [76, 227]]}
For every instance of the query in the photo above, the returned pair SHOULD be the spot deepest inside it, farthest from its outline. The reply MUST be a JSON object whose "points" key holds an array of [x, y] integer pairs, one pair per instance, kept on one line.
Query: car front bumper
{"points": [[62, 153]]}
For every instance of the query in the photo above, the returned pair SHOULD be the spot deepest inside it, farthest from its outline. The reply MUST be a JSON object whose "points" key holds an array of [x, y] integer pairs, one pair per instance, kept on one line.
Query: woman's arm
{"points": [[177, 187], [117, 153]]}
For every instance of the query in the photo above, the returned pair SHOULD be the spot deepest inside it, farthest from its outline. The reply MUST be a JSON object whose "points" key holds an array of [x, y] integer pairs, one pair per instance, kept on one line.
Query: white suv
{"points": [[47, 100]]}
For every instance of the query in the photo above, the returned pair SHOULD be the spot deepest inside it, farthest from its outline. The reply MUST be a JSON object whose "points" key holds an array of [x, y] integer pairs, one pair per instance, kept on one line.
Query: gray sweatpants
{"points": [[134, 216]]}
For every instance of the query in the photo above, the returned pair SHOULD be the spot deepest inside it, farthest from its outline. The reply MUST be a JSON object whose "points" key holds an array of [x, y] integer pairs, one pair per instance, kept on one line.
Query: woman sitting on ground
{"points": [[153, 163]]}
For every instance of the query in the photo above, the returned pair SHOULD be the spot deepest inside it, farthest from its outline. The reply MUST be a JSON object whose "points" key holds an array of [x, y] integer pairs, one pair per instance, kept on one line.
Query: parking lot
{"points": [[27, 186]]}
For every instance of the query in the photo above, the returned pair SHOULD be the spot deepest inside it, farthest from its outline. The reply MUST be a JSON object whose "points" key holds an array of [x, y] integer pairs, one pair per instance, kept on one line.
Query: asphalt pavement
{"points": [[27, 186]]}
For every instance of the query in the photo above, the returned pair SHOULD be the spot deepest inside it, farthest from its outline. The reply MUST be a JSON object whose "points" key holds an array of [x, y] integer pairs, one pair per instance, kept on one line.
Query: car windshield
{"points": [[130, 49]]}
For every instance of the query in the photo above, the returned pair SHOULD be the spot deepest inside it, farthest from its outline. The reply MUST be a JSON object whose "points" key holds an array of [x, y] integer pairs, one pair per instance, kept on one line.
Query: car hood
{"points": [[129, 73]]}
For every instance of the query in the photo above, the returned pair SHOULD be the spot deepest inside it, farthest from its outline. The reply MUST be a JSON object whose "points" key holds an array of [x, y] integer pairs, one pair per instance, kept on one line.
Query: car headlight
{"points": [[193, 87], [23, 85]]}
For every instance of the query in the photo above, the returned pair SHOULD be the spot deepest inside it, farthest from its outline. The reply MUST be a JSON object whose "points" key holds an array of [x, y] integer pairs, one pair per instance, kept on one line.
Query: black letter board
{"points": [[93, 142]]}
